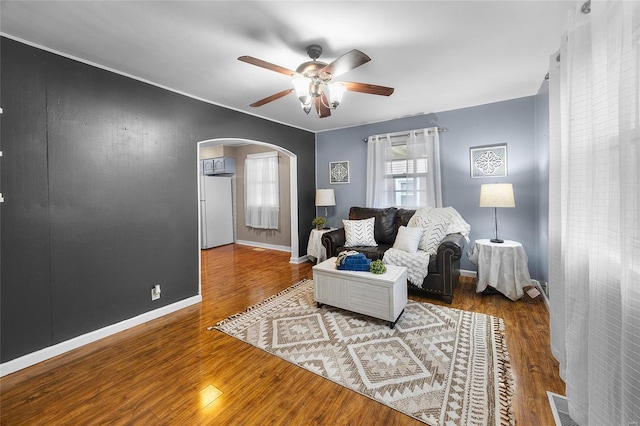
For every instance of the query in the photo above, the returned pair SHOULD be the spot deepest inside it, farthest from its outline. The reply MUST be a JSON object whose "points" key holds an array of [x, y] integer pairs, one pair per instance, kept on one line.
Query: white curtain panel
{"points": [[377, 147], [262, 195], [430, 139], [425, 175], [594, 196]]}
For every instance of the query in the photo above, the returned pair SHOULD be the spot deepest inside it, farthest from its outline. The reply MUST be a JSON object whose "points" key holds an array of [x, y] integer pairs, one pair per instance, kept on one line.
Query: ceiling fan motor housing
{"points": [[310, 69]]}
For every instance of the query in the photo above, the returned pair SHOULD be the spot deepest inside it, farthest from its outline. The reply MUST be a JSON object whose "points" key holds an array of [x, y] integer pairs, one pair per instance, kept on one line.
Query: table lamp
{"points": [[497, 195], [325, 198]]}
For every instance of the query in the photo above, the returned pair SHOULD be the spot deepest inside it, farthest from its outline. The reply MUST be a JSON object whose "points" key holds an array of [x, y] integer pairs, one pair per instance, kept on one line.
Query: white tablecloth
{"points": [[315, 250], [503, 266]]}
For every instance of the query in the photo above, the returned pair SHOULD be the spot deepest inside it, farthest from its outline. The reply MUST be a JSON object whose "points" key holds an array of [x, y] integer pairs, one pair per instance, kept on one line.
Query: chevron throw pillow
{"points": [[359, 232], [435, 228], [434, 232]]}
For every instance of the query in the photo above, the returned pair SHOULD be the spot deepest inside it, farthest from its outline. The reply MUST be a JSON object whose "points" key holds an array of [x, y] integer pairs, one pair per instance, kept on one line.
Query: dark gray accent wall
{"points": [[99, 178], [511, 122]]}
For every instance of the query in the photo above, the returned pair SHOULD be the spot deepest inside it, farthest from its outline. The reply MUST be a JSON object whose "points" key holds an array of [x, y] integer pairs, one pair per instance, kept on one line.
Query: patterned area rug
{"points": [[439, 365]]}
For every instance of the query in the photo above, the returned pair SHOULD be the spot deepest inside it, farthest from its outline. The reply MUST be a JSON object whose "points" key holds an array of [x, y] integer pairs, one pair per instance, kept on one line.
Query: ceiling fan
{"points": [[313, 84]]}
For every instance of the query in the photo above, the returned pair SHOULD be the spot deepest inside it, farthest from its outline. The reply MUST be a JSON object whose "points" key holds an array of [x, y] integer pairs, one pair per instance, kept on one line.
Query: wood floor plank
{"points": [[158, 373]]}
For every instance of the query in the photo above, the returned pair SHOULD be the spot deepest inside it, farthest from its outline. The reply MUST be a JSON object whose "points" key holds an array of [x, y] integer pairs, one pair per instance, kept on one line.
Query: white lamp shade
{"points": [[301, 85], [336, 90], [497, 195], [325, 197]]}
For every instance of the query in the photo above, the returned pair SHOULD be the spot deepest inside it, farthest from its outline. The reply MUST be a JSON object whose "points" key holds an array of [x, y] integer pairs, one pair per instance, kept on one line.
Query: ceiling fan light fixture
{"points": [[302, 86], [336, 91]]}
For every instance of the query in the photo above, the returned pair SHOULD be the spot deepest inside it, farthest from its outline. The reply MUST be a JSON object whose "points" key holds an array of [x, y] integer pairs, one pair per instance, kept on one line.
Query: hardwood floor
{"points": [[162, 372]]}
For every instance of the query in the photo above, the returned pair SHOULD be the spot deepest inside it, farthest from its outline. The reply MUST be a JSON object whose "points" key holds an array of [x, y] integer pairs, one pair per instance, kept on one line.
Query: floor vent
{"points": [[560, 410]]}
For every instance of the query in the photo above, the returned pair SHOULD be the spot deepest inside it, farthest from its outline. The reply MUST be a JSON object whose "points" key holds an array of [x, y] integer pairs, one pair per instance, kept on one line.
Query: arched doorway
{"points": [[293, 179]]}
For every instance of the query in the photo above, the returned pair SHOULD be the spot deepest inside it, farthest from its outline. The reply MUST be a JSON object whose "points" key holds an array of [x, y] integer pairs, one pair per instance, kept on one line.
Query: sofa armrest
{"points": [[451, 246], [332, 240], [444, 268], [448, 263]]}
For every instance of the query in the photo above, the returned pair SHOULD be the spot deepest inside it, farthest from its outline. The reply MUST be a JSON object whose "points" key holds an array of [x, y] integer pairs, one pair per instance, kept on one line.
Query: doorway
{"points": [[293, 180]]}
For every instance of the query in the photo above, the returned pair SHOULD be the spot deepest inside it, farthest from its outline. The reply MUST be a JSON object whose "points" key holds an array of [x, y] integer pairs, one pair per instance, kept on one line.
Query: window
{"points": [[403, 170], [407, 174], [262, 197]]}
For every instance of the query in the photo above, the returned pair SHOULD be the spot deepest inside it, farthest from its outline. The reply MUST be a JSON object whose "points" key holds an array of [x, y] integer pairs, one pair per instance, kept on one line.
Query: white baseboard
{"points": [[470, 274], [68, 345], [299, 260], [263, 245]]}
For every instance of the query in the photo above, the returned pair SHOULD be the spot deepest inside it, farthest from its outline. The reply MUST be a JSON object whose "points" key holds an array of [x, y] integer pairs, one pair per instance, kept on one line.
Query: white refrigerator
{"points": [[216, 211]]}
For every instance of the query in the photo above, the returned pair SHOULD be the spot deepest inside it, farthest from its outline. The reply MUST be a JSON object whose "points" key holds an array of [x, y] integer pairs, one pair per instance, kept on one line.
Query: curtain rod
{"points": [[417, 132]]}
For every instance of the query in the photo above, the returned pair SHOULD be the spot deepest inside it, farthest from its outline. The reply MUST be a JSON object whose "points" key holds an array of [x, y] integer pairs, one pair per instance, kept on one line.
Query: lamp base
{"points": [[497, 240]]}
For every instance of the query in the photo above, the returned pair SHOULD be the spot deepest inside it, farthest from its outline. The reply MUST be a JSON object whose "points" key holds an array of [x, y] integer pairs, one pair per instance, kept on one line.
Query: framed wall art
{"points": [[338, 172], [488, 161]]}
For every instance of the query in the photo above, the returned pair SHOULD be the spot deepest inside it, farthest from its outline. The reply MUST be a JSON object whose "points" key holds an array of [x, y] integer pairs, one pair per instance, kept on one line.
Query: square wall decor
{"points": [[338, 172], [488, 161]]}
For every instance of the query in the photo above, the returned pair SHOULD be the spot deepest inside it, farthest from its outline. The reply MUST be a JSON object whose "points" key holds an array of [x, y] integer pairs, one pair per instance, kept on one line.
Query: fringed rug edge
{"points": [[505, 376]]}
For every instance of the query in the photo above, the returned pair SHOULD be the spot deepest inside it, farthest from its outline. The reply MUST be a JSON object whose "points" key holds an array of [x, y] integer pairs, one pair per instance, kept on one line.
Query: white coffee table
{"points": [[381, 296]]}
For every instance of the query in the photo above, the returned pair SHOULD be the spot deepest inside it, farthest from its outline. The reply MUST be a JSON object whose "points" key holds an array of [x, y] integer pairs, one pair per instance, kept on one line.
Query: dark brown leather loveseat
{"points": [[444, 268]]}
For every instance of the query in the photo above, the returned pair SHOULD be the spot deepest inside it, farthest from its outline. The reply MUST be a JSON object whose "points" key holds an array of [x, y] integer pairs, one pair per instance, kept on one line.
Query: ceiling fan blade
{"points": [[268, 65], [271, 98], [346, 62], [371, 89], [321, 103]]}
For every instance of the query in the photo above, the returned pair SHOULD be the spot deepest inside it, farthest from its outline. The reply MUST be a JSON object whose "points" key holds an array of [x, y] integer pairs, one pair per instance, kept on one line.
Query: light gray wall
{"points": [[511, 122]]}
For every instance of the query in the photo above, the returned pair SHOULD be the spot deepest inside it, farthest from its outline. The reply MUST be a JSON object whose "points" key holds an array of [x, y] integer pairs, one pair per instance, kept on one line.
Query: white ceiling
{"points": [[438, 55]]}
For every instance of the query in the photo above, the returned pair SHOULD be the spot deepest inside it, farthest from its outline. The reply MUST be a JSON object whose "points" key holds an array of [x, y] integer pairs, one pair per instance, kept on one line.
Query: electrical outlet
{"points": [[155, 292]]}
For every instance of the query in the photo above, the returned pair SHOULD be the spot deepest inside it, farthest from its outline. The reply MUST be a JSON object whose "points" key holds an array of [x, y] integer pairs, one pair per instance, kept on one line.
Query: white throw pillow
{"points": [[359, 232], [408, 239]]}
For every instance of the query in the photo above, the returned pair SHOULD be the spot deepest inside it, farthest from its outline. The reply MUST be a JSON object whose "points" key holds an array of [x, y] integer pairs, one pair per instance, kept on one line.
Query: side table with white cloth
{"points": [[502, 266], [315, 250]]}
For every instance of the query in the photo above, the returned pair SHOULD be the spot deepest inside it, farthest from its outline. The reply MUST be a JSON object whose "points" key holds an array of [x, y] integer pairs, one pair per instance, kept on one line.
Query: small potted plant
{"points": [[319, 222], [377, 267]]}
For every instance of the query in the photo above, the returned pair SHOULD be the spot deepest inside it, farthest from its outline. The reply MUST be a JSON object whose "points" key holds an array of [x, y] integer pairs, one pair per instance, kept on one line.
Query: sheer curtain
{"points": [[594, 253], [262, 197], [403, 169]]}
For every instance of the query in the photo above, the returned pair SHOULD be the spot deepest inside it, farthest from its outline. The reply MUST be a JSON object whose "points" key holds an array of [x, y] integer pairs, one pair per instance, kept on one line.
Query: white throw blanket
{"points": [[448, 215], [437, 223], [417, 264]]}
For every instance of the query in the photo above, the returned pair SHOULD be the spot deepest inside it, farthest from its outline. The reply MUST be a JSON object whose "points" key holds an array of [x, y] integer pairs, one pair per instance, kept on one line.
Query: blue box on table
{"points": [[355, 262]]}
